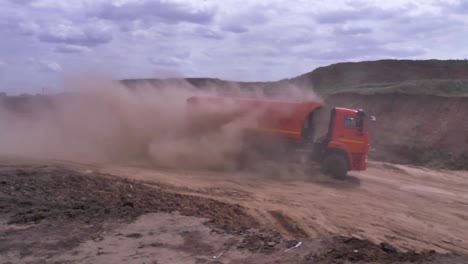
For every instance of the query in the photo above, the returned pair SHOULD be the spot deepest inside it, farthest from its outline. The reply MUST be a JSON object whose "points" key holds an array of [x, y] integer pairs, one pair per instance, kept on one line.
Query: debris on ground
{"points": [[51, 193], [57, 202], [354, 250]]}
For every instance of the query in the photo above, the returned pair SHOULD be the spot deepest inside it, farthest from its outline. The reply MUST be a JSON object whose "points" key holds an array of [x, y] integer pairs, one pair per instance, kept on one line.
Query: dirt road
{"points": [[63, 212], [409, 207]]}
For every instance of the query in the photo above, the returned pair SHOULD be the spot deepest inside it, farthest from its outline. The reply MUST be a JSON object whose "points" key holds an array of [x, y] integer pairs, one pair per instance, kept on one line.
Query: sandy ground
{"points": [[61, 212], [409, 207]]}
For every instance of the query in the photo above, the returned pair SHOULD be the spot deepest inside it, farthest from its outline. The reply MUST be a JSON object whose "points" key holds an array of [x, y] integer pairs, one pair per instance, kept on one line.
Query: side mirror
{"points": [[361, 113]]}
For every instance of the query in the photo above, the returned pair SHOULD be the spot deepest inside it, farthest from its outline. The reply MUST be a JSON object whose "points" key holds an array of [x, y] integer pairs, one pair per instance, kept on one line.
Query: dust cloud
{"points": [[102, 121]]}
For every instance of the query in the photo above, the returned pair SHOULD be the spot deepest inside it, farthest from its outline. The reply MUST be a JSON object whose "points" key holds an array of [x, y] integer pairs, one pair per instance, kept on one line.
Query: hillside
{"points": [[439, 87], [404, 76], [431, 77]]}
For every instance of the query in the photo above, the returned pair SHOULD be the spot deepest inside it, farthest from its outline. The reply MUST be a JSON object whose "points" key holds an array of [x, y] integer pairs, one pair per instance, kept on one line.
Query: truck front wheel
{"points": [[335, 165]]}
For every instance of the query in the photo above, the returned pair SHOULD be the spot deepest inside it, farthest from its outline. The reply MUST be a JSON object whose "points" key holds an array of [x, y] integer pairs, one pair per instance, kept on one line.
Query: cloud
{"points": [[170, 57], [70, 49], [180, 53], [463, 7], [2, 65], [28, 28], [352, 30], [164, 11], [23, 2], [346, 15], [277, 41], [47, 66], [205, 32], [460, 7], [426, 24], [242, 21], [235, 28], [165, 62], [68, 33], [255, 40], [361, 52]]}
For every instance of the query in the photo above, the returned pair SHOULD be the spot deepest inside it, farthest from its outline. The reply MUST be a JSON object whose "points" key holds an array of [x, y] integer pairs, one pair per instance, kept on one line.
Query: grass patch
{"points": [[438, 87]]}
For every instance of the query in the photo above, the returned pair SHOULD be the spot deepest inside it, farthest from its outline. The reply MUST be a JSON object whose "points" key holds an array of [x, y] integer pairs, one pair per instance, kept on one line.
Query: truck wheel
{"points": [[335, 165]]}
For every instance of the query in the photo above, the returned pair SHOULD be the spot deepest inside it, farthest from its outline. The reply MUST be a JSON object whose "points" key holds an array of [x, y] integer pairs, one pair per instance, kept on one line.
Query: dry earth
{"points": [[59, 212], [409, 207]]}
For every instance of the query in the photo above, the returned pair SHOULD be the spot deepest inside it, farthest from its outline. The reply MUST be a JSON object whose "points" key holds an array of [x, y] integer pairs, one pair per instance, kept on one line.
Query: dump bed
{"points": [[278, 117]]}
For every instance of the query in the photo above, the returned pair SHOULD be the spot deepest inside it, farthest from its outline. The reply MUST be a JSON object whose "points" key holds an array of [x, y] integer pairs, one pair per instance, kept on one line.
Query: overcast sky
{"points": [[41, 41]]}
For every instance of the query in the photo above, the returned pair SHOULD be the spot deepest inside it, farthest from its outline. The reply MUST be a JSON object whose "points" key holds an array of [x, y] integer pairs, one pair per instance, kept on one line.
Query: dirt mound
{"points": [[342, 250], [263, 241], [267, 248], [34, 194], [288, 224]]}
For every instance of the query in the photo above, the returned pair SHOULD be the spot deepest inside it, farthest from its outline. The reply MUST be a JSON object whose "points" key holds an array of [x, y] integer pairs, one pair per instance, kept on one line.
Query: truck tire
{"points": [[335, 165]]}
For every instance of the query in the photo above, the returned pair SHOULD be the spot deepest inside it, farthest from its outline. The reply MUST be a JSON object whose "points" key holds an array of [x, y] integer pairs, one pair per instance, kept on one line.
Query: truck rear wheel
{"points": [[335, 165]]}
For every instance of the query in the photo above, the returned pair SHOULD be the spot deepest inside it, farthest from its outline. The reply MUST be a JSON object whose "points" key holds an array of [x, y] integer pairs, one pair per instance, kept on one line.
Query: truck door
{"points": [[350, 130]]}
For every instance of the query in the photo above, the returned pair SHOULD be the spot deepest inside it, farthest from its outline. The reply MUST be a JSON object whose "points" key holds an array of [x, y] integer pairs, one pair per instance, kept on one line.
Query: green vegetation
{"points": [[432, 77], [438, 87]]}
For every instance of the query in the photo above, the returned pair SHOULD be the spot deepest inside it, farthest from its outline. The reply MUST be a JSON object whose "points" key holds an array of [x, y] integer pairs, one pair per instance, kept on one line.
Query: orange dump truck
{"points": [[294, 124]]}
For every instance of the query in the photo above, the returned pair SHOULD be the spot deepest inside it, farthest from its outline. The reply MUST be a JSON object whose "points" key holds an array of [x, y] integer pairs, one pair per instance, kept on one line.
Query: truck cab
{"points": [[346, 144]]}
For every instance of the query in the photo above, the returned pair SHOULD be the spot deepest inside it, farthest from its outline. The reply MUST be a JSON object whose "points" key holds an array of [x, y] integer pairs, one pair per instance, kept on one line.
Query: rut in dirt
{"points": [[68, 199]]}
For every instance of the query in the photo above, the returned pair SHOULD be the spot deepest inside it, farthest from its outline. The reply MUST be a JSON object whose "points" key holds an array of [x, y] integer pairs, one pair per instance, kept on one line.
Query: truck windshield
{"points": [[353, 123]]}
